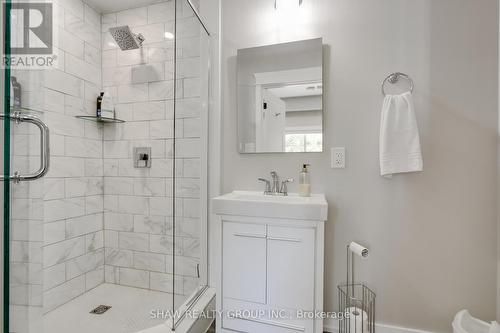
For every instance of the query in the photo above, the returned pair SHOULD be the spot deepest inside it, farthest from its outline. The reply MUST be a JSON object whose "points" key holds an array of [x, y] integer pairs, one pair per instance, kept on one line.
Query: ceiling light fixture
{"points": [[169, 35], [285, 3]]}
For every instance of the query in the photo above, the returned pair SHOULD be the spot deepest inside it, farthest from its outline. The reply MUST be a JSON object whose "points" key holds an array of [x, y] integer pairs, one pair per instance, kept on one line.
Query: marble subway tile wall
{"points": [[138, 202], [73, 237]]}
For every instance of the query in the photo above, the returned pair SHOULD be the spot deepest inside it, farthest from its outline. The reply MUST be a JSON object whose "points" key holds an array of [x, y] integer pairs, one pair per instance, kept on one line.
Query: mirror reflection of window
{"points": [[303, 116], [304, 143]]}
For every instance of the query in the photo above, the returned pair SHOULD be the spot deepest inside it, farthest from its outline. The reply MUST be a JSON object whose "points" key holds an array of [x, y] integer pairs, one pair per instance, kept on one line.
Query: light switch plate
{"points": [[338, 158]]}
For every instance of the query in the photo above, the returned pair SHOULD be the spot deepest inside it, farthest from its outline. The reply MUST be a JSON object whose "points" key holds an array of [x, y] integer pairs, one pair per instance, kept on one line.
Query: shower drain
{"points": [[100, 309]]}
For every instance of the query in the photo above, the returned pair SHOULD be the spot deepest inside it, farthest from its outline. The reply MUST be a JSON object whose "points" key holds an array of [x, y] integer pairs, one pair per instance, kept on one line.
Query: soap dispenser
{"points": [[304, 182]]}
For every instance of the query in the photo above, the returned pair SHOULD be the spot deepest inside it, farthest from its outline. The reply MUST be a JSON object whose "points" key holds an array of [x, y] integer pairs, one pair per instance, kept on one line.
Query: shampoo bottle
{"points": [[99, 105], [304, 182], [107, 106]]}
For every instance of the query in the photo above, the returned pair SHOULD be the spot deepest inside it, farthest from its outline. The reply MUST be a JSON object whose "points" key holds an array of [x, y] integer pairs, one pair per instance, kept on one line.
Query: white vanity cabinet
{"points": [[269, 263]]}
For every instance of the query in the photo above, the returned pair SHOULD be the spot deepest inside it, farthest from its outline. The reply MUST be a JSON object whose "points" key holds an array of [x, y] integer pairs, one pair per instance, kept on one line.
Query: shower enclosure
{"points": [[104, 217]]}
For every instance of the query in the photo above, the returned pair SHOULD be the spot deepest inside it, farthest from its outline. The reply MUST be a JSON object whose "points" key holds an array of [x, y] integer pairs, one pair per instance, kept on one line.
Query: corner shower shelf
{"points": [[101, 119]]}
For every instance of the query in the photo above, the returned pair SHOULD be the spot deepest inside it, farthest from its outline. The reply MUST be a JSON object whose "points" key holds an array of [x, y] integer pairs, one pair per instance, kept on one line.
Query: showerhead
{"points": [[125, 38]]}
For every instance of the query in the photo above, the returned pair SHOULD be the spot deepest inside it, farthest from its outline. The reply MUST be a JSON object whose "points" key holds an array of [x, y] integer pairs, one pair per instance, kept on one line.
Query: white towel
{"points": [[399, 139], [495, 327]]}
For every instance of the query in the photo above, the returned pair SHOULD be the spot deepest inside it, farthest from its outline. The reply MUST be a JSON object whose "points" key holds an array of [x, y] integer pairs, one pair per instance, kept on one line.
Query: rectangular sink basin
{"points": [[293, 206]]}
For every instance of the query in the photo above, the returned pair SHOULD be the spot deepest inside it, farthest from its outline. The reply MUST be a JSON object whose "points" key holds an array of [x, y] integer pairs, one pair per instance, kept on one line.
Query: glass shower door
{"points": [[25, 159], [141, 228], [192, 77]]}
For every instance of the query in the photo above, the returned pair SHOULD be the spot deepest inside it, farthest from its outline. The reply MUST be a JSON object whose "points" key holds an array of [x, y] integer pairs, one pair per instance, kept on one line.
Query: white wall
{"points": [[432, 234], [304, 120]]}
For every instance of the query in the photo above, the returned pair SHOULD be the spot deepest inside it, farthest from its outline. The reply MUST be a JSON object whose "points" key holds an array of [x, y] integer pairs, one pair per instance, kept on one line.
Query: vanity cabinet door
{"points": [[290, 265], [244, 262]]}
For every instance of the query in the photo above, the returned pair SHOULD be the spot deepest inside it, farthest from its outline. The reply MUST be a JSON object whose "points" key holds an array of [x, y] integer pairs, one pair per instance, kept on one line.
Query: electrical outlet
{"points": [[338, 158]]}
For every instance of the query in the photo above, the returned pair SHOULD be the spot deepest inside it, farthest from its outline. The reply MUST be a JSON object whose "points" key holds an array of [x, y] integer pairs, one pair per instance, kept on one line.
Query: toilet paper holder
{"points": [[356, 300]]}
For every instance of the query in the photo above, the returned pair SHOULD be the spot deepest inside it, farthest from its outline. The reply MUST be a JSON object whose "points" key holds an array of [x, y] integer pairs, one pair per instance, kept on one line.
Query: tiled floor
{"points": [[130, 311]]}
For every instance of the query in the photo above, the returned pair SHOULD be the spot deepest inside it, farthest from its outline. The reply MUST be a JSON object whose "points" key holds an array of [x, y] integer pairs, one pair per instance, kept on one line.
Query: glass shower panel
{"points": [[103, 226], [191, 149], [138, 195], [22, 201]]}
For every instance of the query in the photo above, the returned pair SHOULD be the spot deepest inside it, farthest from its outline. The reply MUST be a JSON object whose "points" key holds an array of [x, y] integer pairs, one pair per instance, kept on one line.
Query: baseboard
{"points": [[331, 326]]}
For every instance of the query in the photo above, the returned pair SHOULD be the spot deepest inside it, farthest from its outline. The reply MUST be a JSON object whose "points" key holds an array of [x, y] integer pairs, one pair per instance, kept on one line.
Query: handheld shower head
{"points": [[125, 38]]}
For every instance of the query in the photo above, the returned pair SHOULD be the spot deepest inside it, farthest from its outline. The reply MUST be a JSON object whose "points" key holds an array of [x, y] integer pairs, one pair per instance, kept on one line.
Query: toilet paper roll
{"points": [[358, 320], [358, 249]]}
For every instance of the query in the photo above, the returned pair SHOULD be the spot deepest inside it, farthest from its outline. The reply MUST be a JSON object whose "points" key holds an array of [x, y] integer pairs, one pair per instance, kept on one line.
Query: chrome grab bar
{"points": [[44, 147]]}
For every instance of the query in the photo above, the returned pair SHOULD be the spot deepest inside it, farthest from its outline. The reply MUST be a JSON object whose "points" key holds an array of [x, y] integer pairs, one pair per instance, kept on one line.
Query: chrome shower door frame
{"points": [[191, 301]]}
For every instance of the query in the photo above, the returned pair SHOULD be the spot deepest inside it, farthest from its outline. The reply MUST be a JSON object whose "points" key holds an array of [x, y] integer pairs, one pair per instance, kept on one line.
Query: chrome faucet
{"points": [[284, 186], [268, 186], [273, 186], [275, 181]]}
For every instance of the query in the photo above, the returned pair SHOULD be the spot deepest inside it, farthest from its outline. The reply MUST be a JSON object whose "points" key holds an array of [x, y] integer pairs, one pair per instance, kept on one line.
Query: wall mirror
{"points": [[280, 97]]}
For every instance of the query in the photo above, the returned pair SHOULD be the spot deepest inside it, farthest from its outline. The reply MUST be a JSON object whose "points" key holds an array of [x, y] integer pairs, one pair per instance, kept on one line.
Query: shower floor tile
{"points": [[130, 311]]}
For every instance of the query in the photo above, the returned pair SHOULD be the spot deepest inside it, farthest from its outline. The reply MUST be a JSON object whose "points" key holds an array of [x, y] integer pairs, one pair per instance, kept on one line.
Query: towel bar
{"points": [[394, 78]]}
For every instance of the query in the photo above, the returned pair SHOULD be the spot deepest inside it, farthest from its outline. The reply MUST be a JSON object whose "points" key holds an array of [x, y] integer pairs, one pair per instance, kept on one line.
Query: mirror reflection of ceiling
{"points": [[298, 90], [109, 6]]}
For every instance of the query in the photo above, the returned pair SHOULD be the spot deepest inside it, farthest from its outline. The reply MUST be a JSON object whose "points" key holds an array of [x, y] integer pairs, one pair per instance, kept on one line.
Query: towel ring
{"points": [[394, 78]]}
